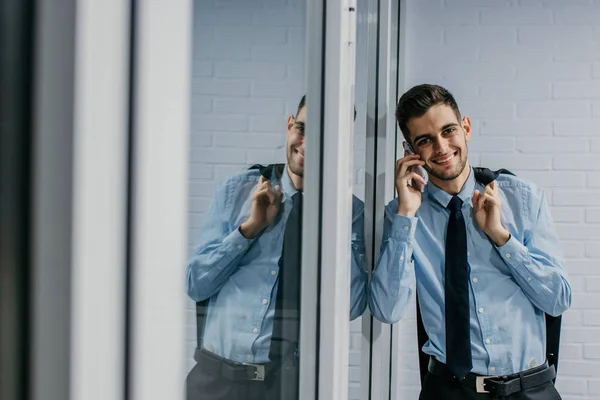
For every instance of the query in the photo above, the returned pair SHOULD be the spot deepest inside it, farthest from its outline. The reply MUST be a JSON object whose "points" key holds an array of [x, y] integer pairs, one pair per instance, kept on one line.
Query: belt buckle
{"points": [[259, 372], [480, 384]]}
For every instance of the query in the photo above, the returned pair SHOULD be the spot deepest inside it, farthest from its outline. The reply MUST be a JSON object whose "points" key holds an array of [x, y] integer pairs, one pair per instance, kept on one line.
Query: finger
{"points": [[264, 185], [488, 198], [415, 178], [406, 157], [417, 181], [270, 193], [261, 193], [488, 190], [494, 185], [492, 189], [261, 180], [278, 194], [406, 164], [476, 196], [481, 201]]}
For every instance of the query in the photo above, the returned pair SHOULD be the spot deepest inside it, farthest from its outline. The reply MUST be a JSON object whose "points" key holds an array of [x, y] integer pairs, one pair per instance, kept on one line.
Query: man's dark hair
{"points": [[418, 100], [303, 103]]}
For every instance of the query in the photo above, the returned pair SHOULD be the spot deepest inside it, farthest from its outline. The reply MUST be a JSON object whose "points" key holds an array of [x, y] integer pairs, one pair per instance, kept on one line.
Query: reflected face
{"points": [[441, 141], [295, 142]]}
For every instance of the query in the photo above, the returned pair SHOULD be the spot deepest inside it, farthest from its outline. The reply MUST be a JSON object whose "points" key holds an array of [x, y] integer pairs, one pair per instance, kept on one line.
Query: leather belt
{"points": [[233, 370], [504, 385]]}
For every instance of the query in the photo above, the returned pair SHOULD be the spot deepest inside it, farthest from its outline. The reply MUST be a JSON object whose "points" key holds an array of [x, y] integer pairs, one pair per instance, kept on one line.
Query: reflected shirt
{"points": [[511, 287], [239, 275]]}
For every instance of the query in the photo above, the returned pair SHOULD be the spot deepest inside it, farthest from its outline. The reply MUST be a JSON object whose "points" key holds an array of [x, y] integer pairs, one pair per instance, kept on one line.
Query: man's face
{"points": [[295, 142], [441, 141]]}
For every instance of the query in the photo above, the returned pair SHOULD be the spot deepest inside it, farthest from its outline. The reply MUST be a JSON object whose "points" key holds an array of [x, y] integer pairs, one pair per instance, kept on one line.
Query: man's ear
{"points": [[290, 123], [466, 124]]}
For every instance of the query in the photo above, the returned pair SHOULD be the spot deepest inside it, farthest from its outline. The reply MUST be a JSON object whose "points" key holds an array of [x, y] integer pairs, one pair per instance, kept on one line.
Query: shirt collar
{"points": [[465, 194], [287, 186]]}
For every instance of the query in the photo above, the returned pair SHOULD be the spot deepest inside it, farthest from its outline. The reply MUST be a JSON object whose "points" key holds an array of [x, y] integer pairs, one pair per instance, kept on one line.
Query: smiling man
{"points": [[486, 259], [247, 263]]}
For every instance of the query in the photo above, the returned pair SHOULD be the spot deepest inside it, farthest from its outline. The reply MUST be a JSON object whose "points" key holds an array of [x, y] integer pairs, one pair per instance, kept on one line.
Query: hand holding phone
{"points": [[416, 168]]}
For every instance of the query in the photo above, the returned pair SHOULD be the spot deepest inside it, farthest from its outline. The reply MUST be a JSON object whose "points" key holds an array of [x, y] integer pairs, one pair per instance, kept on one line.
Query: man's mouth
{"points": [[300, 154], [444, 160]]}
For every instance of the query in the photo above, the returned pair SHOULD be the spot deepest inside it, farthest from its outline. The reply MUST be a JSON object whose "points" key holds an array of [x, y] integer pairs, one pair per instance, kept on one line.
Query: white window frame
{"points": [[377, 383], [324, 324], [160, 147]]}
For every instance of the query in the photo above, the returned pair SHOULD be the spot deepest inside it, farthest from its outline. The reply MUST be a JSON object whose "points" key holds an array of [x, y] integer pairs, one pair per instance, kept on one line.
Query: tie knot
{"points": [[297, 200], [455, 204]]}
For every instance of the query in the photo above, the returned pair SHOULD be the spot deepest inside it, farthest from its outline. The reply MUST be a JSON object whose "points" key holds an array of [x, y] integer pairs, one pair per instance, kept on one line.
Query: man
{"points": [[486, 259], [249, 268]]}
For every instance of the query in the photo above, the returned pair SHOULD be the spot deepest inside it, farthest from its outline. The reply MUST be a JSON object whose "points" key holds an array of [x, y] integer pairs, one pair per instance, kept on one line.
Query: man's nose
{"points": [[301, 143], [440, 145]]}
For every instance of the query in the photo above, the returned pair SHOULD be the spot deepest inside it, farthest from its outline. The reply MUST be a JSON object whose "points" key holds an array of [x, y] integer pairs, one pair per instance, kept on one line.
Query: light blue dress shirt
{"points": [[239, 275], [510, 286]]}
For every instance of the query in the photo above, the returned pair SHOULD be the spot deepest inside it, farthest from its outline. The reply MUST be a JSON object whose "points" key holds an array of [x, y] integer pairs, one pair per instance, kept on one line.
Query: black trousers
{"points": [[206, 381], [437, 388]]}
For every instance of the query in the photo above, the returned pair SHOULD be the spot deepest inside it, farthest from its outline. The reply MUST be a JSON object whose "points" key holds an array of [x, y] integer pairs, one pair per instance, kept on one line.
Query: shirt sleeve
{"points": [[537, 264], [358, 273], [392, 280], [218, 251]]}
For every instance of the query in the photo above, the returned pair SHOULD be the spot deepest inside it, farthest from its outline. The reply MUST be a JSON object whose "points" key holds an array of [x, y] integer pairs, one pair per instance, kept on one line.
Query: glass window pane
{"points": [[247, 152]]}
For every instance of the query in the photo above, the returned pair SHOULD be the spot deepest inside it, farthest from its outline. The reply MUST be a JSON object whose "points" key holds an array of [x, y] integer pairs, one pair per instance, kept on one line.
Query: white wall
{"points": [[528, 74], [248, 76]]}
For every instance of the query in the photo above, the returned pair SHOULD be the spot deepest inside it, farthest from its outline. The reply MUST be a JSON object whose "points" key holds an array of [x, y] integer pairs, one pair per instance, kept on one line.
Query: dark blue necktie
{"points": [[458, 339], [286, 324]]}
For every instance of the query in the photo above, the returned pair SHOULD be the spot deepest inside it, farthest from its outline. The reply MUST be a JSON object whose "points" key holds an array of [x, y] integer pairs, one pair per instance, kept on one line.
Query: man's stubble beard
{"points": [[293, 165], [296, 170], [460, 168]]}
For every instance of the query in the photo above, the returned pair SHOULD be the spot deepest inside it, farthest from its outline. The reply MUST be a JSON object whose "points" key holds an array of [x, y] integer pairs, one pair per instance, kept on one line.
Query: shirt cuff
{"points": [[513, 252], [235, 241], [403, 228]]}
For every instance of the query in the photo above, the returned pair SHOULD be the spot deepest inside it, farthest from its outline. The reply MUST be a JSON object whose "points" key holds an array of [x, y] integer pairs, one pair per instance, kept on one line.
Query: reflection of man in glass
{"points": [[250, 341], [486, 258]]}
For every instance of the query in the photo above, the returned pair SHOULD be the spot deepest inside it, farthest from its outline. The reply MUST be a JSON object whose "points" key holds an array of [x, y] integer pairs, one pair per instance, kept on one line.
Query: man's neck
{"points": [[297, 181], [454, 186]]}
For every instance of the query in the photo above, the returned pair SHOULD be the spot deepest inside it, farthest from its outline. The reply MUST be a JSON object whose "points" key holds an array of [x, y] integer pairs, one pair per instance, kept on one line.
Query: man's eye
{"points": [[423, 142], [451, 130]]}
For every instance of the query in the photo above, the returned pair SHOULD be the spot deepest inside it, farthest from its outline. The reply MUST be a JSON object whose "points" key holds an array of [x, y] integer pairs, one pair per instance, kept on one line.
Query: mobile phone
{"points": [[417, 168]]}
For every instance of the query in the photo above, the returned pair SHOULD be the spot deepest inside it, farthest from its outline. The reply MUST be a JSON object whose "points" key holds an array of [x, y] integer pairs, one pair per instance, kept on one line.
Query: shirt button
{"points": [[401, 258], [528, 278], [468, 253], [239, 246], [475, 280], [255, 330], [406, 228], [492, 369], [480, 310], [273, 272], [265, 301], [488, 341], [507, 255]]}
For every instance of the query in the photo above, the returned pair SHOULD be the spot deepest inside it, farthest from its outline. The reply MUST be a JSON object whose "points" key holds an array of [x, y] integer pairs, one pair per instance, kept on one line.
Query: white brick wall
{"points": [[248, 76], [528, 74]]}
